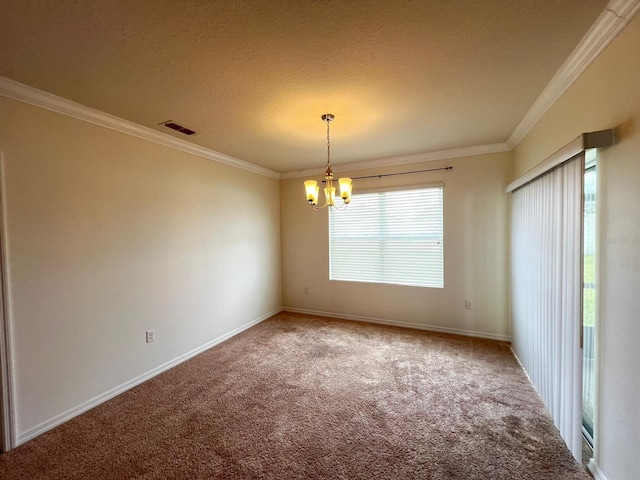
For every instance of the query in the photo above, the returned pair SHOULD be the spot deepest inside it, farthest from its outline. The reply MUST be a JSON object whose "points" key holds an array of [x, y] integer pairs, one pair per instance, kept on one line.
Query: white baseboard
{"points": [[396, 323], [595, 470], [523, 369], [42, 427]]}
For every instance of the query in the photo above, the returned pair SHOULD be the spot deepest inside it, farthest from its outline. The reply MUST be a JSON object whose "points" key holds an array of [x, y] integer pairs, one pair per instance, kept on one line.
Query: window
{"points": [[389, 237]]}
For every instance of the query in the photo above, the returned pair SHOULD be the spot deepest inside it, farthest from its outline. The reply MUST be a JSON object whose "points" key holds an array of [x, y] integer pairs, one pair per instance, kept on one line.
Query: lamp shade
{"points": [[311, 186], [345, 189], [330, 194]]}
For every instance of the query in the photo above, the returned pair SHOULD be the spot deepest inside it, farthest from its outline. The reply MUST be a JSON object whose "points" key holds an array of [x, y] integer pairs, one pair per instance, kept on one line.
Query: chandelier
{"points": [[312, 188]]}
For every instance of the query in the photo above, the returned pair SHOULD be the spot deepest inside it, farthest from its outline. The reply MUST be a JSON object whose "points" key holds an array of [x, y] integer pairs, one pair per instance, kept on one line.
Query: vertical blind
{"points": [[389, 237], [546, 263]]}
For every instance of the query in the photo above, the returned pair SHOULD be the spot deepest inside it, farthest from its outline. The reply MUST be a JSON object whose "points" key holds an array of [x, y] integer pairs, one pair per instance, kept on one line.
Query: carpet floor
{"points": [[302, 397]]}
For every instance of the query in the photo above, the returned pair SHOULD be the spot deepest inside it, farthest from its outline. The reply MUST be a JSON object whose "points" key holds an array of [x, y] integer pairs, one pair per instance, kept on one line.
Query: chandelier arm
{"points": [[341, 207]]}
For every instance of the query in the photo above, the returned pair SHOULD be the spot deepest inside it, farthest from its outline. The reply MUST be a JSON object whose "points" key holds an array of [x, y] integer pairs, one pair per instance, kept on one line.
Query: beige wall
{"points": [[475, 250], [608, 95], [110, 235]]}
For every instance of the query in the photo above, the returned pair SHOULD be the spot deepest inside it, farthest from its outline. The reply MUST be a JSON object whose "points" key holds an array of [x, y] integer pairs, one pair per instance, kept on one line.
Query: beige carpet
{"points": [[309, 398]]}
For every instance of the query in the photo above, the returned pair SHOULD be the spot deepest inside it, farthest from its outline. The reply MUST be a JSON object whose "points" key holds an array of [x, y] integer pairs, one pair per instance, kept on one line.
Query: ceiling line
{"points": [[406, 159], [613, 19], [38, 98], [607, 26]]}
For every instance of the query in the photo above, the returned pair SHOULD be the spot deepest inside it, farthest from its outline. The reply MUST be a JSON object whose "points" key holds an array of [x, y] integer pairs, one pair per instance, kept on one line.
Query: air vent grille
{"points": [[177, 127]]}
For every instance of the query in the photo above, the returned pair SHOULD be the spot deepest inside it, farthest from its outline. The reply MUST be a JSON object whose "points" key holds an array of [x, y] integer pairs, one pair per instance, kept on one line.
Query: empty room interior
{"points": [[165, 268]]}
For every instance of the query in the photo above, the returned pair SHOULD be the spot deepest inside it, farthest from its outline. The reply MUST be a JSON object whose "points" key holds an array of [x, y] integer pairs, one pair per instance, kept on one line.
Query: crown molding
{"points": [[625, 9], [607, 26], [611, 21], [38, 98], [405, 160]]}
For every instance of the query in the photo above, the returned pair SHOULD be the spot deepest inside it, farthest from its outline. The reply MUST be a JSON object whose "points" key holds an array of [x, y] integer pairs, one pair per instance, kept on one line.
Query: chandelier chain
{"points": [[328, 145], [311, 186]]}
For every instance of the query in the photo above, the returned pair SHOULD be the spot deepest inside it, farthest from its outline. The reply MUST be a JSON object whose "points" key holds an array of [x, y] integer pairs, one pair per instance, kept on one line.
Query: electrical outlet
{"points": [[467, 304], [151, 336], [306, 290]]}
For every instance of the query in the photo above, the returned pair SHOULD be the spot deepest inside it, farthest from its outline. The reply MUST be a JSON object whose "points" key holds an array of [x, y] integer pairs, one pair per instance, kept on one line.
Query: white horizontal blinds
{"points": [[546, 264], [389, 237]]}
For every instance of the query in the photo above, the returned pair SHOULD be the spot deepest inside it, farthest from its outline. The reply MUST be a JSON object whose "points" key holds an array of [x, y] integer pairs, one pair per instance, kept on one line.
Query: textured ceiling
{"points": [[253, 77]]}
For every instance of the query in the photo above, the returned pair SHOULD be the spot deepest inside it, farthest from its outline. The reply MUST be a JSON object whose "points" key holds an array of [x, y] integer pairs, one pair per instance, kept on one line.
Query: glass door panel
{"points": [[589, 303]]}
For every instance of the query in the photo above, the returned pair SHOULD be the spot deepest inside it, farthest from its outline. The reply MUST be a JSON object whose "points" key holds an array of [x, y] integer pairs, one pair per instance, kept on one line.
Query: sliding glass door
{"points": [[546, 265], [589, 300]]}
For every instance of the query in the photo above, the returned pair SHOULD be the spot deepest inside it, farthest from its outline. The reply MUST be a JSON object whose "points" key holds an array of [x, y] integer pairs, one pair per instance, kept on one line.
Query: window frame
{"points": [[429, 259]]}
